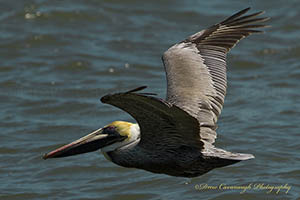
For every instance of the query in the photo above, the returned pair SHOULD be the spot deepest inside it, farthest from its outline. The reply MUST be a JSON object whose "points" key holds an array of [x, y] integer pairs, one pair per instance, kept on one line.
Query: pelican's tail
{"points": [[220, 157]]}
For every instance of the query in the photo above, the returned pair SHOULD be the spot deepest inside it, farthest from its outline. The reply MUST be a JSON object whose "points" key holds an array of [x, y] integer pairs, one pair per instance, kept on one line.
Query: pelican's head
{"points": [[111, 137]]}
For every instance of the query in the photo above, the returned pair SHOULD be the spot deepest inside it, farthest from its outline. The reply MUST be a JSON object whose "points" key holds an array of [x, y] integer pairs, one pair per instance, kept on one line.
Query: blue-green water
{"points": [[57, 58]]}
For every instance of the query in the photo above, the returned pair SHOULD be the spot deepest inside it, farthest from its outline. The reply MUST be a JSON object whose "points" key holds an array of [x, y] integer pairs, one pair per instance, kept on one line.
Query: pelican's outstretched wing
{"points": [[161, 124], [196, 69]]}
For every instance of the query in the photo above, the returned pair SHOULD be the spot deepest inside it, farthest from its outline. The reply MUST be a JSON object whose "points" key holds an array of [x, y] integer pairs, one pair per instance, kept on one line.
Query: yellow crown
{"points": [[122, 127]]}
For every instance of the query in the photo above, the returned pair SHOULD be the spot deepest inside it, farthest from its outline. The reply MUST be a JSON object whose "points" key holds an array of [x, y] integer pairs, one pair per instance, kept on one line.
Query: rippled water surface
{"points": [[59, 57]]}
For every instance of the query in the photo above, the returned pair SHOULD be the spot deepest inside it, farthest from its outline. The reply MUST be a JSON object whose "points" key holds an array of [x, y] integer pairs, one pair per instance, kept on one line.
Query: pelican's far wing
{"points": [[196, 69], [161, 124]]}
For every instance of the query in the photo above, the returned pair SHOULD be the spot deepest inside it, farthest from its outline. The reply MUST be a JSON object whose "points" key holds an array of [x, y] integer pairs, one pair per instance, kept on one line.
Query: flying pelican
{"points": [[175, 136]]}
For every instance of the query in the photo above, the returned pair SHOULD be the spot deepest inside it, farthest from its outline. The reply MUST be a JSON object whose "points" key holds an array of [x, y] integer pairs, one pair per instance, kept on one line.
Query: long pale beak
{"points": [[88, 143]]}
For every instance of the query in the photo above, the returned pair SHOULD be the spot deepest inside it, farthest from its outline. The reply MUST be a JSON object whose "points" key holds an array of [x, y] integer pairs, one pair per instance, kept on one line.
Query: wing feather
{"points": [[161, 124], [196, 69]]}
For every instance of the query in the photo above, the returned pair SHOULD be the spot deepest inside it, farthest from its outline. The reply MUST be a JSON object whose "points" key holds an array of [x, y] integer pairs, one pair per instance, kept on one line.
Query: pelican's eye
{"points": [[110, 130]]}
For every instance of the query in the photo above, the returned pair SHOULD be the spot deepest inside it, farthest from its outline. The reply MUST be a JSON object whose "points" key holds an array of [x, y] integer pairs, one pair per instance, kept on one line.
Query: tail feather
{"points": [[221, 153], [240, 156], [220, 158]]}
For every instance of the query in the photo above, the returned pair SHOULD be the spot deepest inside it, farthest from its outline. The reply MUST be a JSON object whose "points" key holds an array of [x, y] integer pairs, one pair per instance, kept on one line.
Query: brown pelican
{"points": [[175, 136]]}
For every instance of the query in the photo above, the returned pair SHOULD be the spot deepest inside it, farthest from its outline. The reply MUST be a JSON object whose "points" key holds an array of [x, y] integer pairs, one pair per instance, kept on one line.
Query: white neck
{"points": [[135, 132]]}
